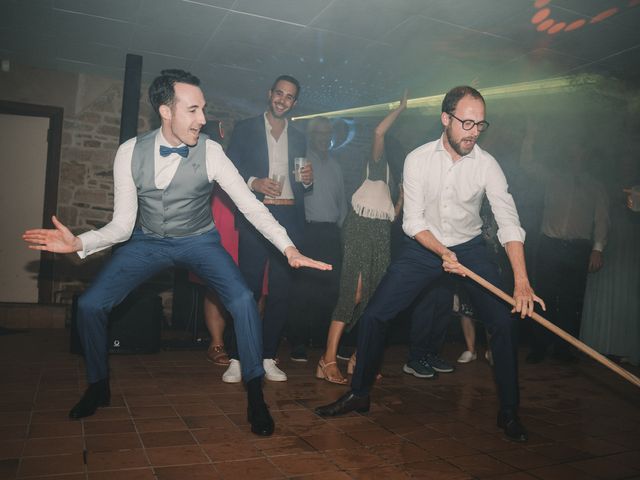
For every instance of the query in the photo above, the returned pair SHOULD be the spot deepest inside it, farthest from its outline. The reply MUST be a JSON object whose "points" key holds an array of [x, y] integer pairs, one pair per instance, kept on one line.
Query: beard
{"points": [[457, 146]]}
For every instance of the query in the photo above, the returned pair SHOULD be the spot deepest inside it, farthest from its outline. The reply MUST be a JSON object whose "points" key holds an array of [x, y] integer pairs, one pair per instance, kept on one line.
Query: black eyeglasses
{"points": [[469, 124]]}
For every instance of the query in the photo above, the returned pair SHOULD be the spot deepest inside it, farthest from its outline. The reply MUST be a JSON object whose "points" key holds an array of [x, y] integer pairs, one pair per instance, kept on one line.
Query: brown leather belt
{"points": [[278, 201]]}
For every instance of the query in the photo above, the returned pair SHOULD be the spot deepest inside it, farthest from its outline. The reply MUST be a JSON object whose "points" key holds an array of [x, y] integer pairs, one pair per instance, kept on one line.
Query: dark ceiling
{"points": [[345, 52]]}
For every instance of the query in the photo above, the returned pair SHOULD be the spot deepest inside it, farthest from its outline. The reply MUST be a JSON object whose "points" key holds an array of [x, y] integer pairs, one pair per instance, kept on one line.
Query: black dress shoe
{"points": [[96, 395], [510, 423], [345, 404], [260, 419]]}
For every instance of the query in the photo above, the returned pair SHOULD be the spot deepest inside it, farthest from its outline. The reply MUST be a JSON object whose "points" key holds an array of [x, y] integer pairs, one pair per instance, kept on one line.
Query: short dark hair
{"points": [[456, 94], [290, 79], [161, 90]]}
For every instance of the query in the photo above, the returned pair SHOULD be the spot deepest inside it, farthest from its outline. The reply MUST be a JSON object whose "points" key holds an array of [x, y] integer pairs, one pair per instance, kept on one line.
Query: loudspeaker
{"points": [[134, 325]]}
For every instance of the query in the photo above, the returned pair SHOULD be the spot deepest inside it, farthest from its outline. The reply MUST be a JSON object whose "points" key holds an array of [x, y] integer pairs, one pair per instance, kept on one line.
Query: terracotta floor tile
{"points": [[400, 453], [179, 455], [605, 468], [111, 442], [187, 472], [47, 446], [355, 458], [481, 465], [331, 441], [152, 411], [218, 435], [440, 429], [303, 463], [116, 460], [523, 459], [446, 447], [51, 465], [11, 448], [388, 472], [167, 439], [9, 467], [378, 436], [207, 421], [283, 445], [560, 472], [224, 452], [559, 452], [514, 476], [197, 410], [69, 428], [14, 418], [145, 425], [49, 416], [133, 474], [244, 469], [435, 469], [335, 475], [104, 427]]}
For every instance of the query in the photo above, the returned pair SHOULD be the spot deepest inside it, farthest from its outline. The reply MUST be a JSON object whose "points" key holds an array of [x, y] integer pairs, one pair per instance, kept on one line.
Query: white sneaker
{"points": [[272, 372], [232, 374], [467, 357]]}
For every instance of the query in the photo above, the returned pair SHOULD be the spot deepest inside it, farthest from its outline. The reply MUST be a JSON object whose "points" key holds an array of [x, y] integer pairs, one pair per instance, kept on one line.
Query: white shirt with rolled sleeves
{"points": [[444, 197], [219, 169]]}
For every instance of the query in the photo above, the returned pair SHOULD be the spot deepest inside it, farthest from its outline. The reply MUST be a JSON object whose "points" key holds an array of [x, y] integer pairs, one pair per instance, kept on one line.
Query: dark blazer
{"points": [[249, 153]]}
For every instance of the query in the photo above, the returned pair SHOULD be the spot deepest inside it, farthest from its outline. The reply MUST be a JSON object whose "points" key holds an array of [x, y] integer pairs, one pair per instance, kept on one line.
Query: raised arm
{"points": [[384, 126]]}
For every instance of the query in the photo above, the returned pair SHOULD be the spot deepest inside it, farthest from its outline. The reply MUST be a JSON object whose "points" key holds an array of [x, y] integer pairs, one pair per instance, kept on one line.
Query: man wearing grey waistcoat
{"points": [[162, 190]]}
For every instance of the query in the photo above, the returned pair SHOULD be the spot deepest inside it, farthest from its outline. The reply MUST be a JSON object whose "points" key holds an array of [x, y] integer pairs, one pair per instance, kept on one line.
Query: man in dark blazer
{"points": [[263, 148]]}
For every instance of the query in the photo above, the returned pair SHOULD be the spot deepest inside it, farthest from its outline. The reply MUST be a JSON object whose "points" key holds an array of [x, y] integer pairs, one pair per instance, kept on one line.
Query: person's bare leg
{"points": [[329, 358], [469, 331], [336, 329], [214, 319]]}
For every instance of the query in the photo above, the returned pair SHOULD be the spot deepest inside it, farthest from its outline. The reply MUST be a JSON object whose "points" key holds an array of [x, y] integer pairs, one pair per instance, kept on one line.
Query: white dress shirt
{"points": [[278, 151], [444, 197], [219, 169], [576, 207]]}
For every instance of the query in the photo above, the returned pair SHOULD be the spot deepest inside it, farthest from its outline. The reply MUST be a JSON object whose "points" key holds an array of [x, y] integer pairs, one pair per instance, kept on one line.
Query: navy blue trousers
{"points": [[254, 251], [142, 257], [414, 270]]}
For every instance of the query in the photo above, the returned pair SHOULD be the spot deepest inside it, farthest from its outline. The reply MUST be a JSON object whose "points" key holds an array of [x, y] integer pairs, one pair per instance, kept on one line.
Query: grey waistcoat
{"points": [[183, 208]]}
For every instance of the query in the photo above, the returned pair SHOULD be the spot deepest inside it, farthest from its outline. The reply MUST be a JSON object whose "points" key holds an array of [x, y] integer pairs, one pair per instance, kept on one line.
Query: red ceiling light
{"points": [[545, 25], [606, 14], [540, 15], [575, 25], [557, 28], [544, 22]]}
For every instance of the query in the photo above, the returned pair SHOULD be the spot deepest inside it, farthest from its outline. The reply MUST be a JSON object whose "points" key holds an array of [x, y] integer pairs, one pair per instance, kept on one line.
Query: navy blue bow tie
{"points": [[183, 151]]}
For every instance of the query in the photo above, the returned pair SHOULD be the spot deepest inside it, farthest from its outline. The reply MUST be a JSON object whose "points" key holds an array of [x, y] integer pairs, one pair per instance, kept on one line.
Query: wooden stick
{"points": [[555, 329]]}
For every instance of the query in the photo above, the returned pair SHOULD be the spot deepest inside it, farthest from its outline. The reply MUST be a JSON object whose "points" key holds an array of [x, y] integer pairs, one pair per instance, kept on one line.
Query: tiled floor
{"points": [[172, 418]]}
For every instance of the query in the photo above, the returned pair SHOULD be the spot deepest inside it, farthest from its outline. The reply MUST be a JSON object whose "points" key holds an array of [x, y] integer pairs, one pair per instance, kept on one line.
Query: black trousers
{"points": [[416, 269], [430, 318], [254, 251], [561, 277], [314, 292]]}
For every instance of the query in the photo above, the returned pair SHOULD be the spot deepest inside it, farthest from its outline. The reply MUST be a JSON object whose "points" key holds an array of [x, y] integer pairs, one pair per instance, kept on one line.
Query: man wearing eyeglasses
{"points": [[444, 184]]}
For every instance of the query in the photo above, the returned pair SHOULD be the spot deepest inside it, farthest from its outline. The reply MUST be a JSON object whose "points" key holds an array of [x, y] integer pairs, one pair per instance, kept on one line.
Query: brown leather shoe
{"points": [[218, 356]]}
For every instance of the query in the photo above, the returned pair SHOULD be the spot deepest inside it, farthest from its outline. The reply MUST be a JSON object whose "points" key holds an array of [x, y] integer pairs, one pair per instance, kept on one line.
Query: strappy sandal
{"points": [[218, 356], [321, 373]]}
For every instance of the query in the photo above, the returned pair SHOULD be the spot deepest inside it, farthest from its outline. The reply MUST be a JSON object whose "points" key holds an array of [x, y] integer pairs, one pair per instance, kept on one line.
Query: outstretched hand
{"points": [[58, 240], [297, 260]]}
